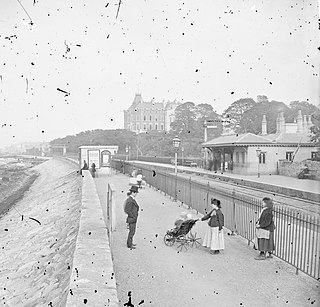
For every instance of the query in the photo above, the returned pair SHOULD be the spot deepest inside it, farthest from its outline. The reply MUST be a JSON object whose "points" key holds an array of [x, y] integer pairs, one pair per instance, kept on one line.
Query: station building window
{"points": [[313, 154], [262, 158], [289, 155]]}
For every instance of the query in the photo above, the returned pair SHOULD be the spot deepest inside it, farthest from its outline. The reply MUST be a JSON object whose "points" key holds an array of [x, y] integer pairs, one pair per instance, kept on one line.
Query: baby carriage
{"points": [[182, 235]]}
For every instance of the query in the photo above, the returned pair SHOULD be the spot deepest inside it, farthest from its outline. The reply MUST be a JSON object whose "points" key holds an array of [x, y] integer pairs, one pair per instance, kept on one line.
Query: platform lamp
{"points": [[176, 143], [258, 151], [128, 152]]}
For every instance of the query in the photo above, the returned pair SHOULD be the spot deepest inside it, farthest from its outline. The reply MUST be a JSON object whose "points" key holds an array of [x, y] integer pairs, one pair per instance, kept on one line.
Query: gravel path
{"points": [[158, 275], [37, 239]]}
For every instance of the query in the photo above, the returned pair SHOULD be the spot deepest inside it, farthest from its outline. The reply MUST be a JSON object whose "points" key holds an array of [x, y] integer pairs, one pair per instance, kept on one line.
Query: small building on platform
{"points": [[100, 155], [250, 154]]}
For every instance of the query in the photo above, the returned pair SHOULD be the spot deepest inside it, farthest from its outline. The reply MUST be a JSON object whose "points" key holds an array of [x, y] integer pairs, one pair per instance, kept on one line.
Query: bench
{"points": [[190, 163], [310, 174]]}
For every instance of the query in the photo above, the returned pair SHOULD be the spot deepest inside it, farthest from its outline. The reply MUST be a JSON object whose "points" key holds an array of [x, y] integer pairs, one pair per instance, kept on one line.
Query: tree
{"points": [[233, 114], [185, 117], [262, 98], [315, 130], [118, 137], [305, 107], [251, 120]]}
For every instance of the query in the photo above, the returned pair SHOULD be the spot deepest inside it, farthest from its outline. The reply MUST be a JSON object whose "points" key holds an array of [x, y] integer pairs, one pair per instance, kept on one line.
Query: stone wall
{"points": [[292, 169]]}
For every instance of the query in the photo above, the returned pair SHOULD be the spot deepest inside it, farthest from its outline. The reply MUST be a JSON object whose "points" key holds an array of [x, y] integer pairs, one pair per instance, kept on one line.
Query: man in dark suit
{"points": [[131, 208]]}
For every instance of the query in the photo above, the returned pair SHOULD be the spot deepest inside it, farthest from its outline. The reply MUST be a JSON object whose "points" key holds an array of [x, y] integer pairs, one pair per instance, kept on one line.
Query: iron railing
{"points": [[296, 235]]}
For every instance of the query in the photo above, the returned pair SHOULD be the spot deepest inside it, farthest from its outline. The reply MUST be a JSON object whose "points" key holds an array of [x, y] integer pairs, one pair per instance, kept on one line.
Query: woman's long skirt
{"points": [[267, 245], [213, 238]]}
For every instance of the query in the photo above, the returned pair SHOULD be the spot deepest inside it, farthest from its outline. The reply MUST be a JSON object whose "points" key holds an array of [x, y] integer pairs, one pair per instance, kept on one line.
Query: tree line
{"points": [[242, 116]]}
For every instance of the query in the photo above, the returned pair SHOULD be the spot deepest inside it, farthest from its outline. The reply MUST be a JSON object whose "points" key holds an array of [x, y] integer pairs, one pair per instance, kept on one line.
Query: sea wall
{"points": [[93, 280], [38, 236]]}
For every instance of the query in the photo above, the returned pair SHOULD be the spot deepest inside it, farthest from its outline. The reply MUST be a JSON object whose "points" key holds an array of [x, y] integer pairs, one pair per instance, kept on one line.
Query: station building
{"points": [[249, 153]]}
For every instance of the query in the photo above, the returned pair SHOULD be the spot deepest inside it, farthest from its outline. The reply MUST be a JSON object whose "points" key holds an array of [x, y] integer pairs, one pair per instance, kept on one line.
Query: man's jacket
{"points": [[131, 208]]}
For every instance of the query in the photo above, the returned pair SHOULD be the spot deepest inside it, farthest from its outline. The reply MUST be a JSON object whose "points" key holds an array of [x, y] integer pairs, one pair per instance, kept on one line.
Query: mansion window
{"points": [[243, 157], [289, 155], [144, 127], [150, 127], [150, 117], [156, 126], [138, 126], [262, 158], [144, 117], [313, 154], [237, 157], [162, 128]]}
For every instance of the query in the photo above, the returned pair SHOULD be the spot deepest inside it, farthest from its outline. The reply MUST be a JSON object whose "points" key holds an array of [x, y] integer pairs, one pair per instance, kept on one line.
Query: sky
{"points": [[68, 66]]}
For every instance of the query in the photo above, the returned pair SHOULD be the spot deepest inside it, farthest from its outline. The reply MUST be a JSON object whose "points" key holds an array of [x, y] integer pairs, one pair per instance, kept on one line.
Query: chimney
{"points": [[282, 123], [299, 122], [264, 125], [278, 123], [305, 124], [310, 124]]}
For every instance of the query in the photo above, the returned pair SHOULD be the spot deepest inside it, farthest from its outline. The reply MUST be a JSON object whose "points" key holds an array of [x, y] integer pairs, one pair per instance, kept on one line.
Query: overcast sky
{"points": [[206, 51]]}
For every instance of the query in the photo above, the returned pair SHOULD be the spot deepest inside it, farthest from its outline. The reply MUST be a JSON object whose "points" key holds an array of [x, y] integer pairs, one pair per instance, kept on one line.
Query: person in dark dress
{"points": [[266, 236], [131, 208], [93, 170], [214, 238]]}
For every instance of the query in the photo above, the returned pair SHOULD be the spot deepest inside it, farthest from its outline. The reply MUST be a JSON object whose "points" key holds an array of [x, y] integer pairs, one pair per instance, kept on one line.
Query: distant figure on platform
{"points": [[131, 208], [84, 167], [214, 238], [93, 170], [139, 178], [265, 230], [134, 173]]}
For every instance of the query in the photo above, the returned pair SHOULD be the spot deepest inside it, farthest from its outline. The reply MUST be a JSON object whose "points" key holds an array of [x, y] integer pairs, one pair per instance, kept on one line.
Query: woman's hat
{"points": [[134, 188], [216, 202]]}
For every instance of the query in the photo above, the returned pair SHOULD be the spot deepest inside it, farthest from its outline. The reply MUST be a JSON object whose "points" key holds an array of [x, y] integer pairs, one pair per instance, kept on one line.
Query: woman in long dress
{"points": [[265, 230], [214, 238]]}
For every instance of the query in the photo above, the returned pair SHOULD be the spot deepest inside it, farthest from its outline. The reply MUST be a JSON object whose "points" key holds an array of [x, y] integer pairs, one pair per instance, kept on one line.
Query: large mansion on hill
{"points": [[143, 116]]}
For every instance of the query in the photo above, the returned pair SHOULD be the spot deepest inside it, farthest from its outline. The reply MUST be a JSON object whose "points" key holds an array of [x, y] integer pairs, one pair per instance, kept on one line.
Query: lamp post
{"points": [[128, 152], [176, 143], [258, 151]]}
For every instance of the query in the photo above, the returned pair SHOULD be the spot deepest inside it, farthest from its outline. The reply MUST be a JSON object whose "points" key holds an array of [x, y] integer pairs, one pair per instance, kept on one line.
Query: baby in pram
{"points": [[182, 218]]}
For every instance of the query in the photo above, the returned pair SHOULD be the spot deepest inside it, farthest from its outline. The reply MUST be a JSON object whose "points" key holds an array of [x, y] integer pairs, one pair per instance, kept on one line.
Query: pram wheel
{"points": [[194, 240], [183, 244], [168, 239]]}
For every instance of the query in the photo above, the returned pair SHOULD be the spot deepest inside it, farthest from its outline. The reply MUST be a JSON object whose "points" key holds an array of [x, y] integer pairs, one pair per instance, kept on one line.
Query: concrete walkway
{"points": [[157, 275]]}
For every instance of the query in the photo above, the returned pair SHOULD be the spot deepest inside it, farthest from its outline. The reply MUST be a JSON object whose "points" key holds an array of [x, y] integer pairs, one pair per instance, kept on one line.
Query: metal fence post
{"points": [[234, 225], [190, 193], [175, 187], [165, 182]]}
